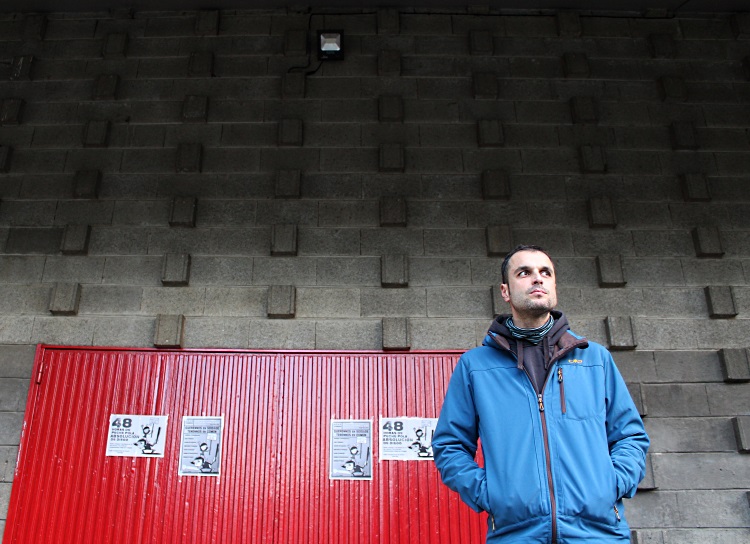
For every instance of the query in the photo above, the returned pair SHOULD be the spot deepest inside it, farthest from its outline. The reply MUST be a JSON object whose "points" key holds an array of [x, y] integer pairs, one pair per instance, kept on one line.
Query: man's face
{"points": [[531, 289]]}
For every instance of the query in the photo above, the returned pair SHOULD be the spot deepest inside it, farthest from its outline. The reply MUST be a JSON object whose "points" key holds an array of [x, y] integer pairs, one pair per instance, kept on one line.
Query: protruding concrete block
{"points": [[593, 159], [96, 134], [499, 305], [495, 185], [86, 184], [601, 213], [201, 64], [649, 482], [176, 270], [391, 158], [6, 153], [576, 65], [207, 23], [583, 110], [490, 133], [288, 184], [388, 21], [485, 86], [10, 111], [568, 24], [481, 42], [620, 333], [695, 188], [499, 240], [639, 398], [707, 241], [189, 158], [65, 299], [34, 26], [75, 240], [640, 536], [661, 46], [284, 240], [394, 271], [393, 211], [684, 136], [720, 300], [390, 109], [293, 85], [735, 365], [183, 211], [195, 109], [20, 69], [610, 271], [741, 426], [115, 45], [105, 87], [169, 331], [396, 334], [282, 301], [295, 43], [740, 23], [389, 62], [672, 89], [290, 132]]}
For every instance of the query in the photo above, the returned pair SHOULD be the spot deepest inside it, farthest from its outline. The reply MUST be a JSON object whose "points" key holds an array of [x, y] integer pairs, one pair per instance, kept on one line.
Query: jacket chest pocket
{"points": [[581, 391]]}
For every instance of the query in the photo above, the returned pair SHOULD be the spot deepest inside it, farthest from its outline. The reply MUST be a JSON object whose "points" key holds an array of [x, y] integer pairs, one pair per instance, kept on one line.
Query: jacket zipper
{"points": [[562, 388], [548, 458]]}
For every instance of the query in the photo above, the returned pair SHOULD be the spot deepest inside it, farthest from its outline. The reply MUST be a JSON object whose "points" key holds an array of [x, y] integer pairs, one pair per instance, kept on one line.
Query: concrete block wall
{"points": [[196, 179]]}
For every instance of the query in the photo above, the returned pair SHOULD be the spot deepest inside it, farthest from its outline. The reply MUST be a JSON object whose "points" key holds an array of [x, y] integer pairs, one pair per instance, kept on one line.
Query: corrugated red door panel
{"points": [[274, 486]]}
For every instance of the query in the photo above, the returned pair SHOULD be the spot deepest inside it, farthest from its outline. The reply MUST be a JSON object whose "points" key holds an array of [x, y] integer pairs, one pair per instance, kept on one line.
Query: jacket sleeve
{"points": [[455, 442], [628, 441]]}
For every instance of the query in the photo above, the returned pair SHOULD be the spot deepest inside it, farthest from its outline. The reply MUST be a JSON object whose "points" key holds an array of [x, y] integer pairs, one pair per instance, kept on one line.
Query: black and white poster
{"points": [[131, 435], [351, 449], [406, 438], [200, 447]]}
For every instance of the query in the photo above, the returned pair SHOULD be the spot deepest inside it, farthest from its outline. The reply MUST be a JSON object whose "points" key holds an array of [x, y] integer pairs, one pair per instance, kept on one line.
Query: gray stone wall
{"points": [[195, 179]]}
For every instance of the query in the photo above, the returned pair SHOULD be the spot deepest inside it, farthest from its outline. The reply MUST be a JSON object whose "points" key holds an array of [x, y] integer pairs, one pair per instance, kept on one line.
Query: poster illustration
{"points": [[200, 446], [131, 435], [406, 438], [351, 449]]}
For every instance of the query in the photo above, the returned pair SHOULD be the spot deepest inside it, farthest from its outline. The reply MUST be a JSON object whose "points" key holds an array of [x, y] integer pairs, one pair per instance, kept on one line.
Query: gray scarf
{"points": [[533, 336]]}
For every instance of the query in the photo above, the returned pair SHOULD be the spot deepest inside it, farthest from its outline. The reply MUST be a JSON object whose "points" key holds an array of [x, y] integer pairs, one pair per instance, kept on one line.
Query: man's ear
{"points": [[505, 292]]}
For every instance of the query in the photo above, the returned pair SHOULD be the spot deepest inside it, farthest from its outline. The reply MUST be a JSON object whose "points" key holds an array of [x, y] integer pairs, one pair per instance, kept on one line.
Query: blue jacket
{"points": [[556, 467]]}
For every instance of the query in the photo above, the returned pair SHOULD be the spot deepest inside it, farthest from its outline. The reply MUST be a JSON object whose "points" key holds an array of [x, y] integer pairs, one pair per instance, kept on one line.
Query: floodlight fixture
{"points": [[330, 44]]}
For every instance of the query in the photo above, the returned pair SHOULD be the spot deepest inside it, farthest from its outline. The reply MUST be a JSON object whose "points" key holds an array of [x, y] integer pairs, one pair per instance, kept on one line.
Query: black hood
{"points": [[558, 339], [559, 328]]}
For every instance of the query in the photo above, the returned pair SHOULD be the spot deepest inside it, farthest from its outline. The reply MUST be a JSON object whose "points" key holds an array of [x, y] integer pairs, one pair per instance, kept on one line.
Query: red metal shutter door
{"points": [[274, 486]]}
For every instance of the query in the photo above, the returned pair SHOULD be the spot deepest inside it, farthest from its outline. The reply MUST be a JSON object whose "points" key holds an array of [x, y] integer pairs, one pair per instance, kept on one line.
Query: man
{"points": [[562, 442]]}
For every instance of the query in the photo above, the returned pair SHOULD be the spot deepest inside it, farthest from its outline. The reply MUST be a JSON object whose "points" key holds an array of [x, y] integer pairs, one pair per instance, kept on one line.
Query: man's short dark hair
{"points": [[522, 247]]}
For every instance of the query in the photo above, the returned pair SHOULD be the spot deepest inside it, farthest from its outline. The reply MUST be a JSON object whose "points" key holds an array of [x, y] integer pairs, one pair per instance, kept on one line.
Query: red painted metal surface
{"points": [[274, 485]]}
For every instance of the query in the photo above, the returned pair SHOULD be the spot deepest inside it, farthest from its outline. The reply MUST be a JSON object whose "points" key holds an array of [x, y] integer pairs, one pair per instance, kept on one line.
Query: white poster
{"points": [[351, 449], [406, 438], [200, 447], [132, 435]]}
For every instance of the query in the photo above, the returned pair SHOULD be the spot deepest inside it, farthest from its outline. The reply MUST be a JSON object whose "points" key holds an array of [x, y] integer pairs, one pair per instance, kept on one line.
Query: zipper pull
{"points": [[559, 374], [493, 522], [541, 403], [617, 513]]}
